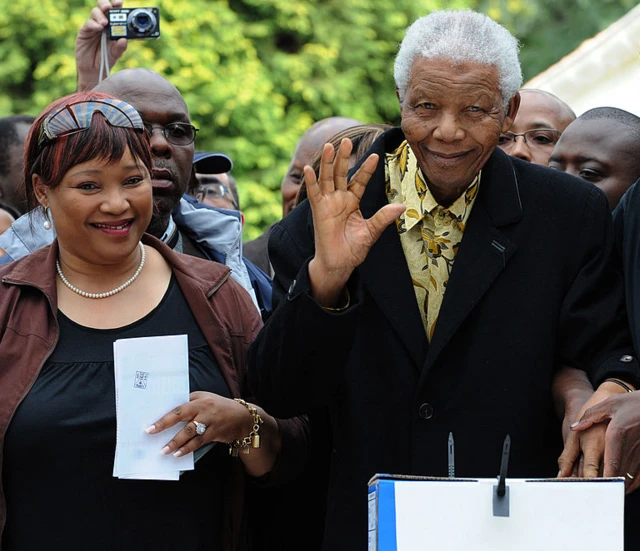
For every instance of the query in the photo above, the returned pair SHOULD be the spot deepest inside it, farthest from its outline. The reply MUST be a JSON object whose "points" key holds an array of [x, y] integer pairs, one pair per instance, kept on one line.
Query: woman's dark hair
{"points": [[361, 136], [53, 159]]}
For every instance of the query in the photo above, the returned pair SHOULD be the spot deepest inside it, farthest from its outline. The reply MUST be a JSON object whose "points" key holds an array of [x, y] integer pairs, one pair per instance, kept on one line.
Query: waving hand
{"points": [[343, 237]]}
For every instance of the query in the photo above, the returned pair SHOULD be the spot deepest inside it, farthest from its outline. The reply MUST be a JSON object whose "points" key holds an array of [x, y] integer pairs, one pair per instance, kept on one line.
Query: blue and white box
{"points": [[408, 513]]}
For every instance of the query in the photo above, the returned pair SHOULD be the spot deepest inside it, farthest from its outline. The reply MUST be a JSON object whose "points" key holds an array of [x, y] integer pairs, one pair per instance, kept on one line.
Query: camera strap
{"points": [[104, 57]]}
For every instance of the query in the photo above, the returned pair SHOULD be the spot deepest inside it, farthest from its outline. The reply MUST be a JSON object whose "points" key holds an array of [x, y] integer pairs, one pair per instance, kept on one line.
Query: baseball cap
{"points": [[212, 163]]}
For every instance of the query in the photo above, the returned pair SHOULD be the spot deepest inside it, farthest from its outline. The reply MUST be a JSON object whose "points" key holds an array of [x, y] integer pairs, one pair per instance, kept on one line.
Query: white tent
{"points": [[603, 71]]}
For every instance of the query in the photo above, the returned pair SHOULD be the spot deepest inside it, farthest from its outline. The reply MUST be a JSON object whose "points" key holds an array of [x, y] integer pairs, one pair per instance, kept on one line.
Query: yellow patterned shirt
{"points": [[430, 234]]}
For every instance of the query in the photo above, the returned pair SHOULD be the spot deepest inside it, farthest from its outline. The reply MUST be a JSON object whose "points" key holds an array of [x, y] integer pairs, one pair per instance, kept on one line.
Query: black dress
{"points": [[59, 452]]}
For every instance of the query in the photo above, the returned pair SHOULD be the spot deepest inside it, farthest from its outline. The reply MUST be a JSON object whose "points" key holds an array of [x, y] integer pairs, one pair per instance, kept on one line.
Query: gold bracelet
{"points": [[341, 308], [251, 441]]}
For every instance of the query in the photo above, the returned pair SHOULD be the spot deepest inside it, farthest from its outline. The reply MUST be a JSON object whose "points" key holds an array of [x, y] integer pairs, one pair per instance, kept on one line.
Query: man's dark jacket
{"points": [[532, 287]]}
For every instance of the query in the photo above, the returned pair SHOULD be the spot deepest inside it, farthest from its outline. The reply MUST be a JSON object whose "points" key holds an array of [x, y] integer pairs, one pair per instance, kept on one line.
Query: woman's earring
{"points": [[47, 223]]}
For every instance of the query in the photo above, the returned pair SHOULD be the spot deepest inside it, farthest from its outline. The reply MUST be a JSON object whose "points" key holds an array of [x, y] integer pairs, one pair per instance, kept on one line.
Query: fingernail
{"points": [[150, 429], [574, 425], [177, 454], [165, 450], [559, 473]]}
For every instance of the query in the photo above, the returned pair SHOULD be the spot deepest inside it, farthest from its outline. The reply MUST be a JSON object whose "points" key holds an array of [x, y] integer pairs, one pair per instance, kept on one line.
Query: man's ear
{"points": [[40, 190], [511, 112], [398, 96]]}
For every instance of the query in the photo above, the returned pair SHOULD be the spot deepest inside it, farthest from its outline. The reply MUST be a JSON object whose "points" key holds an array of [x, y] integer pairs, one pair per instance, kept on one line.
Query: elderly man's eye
{"points": [[475, 109], [426, 105]]}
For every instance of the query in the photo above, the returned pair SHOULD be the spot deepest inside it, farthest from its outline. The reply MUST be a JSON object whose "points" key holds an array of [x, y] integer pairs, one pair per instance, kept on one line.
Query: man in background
{"points": [[601, 146], [216, 186], [541, 119]]}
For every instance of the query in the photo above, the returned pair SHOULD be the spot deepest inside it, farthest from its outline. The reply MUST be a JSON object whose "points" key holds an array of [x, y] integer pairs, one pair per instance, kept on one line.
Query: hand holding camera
{"points": [[88, 45], [90, 55]]}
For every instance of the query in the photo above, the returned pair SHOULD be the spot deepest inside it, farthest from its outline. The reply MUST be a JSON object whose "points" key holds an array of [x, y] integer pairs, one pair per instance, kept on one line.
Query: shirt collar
{"points": [[418, 208]]}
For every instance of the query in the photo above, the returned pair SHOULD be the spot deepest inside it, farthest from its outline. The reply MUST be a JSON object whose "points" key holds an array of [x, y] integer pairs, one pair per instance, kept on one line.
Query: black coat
{"points": [[533, 286]]}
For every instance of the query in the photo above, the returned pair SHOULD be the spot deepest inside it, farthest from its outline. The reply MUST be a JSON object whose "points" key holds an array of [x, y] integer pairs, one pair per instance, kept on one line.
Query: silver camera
{"points": [[133, 23]]}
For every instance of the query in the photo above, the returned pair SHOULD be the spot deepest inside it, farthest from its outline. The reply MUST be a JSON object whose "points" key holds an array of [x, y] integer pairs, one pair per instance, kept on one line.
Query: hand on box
{"points": [[587, 450], [620, 415]]}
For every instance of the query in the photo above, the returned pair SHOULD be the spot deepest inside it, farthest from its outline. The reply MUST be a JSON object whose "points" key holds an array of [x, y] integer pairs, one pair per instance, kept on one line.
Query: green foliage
{"points": [[257, 73]]}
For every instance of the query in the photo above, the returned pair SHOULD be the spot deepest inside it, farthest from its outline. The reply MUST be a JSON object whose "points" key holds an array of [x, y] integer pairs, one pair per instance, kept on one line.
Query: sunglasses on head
{"points": [[76, 117]]}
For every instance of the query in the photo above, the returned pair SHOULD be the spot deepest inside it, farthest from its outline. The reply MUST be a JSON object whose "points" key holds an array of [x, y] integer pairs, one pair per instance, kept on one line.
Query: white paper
{"points": [[152, 378], [549, 516]]}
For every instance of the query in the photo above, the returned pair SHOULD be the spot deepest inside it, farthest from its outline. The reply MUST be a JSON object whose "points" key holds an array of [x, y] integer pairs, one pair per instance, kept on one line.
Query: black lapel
{"points": [[484, 251], [385, 272]]}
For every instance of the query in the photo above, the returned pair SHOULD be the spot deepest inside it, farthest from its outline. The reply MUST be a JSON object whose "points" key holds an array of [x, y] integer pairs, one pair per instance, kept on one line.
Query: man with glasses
{"points": [[541, 119], [216, 186], [218, 190]]}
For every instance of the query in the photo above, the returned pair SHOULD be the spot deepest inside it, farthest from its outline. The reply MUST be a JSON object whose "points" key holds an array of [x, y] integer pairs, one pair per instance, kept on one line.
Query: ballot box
{"points": [[450, 514]]}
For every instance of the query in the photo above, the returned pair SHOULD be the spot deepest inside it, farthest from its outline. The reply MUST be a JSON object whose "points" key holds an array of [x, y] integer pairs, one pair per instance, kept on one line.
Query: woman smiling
{"points": [[87, 163]]}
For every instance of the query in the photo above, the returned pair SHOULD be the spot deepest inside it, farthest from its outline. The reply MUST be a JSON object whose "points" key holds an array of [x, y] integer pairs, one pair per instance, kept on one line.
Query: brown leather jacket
{"points": [[222, 309]]}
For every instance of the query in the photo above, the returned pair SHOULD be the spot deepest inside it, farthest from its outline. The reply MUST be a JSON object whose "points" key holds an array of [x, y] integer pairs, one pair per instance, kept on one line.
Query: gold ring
{"points": [[630, 476]]}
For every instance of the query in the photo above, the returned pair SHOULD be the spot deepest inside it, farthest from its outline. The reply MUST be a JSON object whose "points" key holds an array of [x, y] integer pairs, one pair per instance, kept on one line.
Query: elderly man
{"points": [[602, 147], [452, 319], [541, 119]]}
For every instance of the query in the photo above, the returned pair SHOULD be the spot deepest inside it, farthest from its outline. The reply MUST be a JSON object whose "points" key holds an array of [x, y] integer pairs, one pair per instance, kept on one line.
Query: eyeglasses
{"points": [[76, 117], [541, 138], [215, 191], [176, 133]]}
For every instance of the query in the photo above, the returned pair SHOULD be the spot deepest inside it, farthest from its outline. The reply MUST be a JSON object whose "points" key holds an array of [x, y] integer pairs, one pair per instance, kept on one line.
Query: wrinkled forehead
{"points": [[449, 77]]}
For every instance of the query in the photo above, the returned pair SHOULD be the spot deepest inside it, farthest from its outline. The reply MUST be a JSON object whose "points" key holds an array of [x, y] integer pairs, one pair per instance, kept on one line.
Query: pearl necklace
{"points": [[107, 293]]}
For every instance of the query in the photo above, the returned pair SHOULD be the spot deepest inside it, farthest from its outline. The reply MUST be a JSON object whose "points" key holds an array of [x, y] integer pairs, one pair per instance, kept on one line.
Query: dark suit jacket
{"points": [[532, 286], [256, 251]]}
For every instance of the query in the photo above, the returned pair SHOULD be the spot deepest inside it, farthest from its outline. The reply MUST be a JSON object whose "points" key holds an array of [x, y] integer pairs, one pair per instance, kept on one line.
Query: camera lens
{"points": [[142, 21]]}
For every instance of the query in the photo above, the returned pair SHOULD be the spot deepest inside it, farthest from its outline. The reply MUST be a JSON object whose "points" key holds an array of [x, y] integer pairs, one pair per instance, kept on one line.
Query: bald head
{"points": [[138, 86], [310, 142], [538, 110], [550, 104], [159, 103]]}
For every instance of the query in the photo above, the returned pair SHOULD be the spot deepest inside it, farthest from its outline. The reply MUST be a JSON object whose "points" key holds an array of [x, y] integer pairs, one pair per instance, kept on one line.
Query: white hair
{"points": [[461, 36]]}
